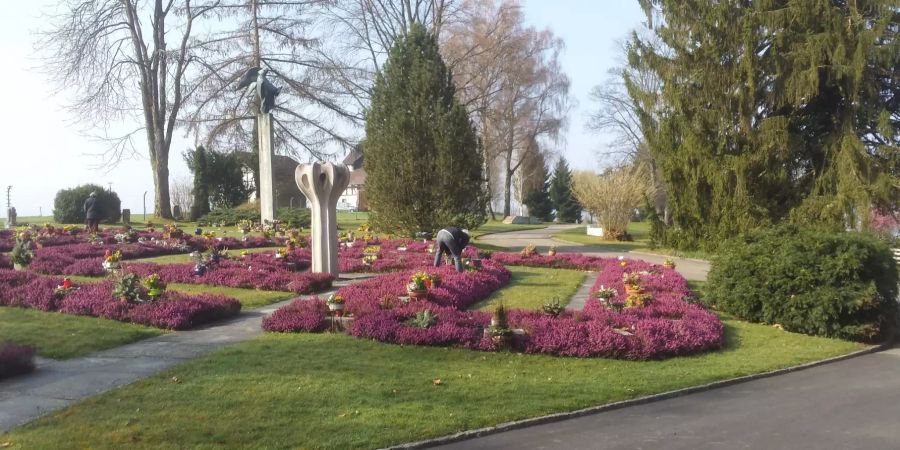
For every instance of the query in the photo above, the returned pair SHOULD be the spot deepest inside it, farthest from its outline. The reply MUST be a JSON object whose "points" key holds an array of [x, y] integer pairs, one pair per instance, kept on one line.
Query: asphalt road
{"points": [[851, 404]]}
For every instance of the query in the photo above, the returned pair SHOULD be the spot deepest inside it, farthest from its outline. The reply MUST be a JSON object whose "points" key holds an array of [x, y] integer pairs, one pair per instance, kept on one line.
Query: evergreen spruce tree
{"points": [[423, 159], [196, 162], [538, 201], [771, 111], [568, 210]]}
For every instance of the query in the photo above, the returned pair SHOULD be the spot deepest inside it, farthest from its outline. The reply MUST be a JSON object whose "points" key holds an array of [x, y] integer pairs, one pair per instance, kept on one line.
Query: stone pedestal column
{"points": [[323, 184], [266, 186]]}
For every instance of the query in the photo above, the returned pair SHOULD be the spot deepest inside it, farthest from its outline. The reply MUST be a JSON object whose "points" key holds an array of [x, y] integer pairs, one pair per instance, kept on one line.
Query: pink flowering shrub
{"points": [[668, 326], [300, 315], [15, 359], [5, 263], [240, 274], [173, 310]]}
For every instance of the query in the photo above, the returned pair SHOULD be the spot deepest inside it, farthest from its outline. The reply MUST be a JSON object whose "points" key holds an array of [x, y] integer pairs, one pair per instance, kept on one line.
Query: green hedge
{"points": [[836, 284], [68, 207], [291, 217]]}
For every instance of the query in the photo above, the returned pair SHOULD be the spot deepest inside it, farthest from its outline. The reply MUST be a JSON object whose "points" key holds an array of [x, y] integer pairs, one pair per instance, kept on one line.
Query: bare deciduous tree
{"points": [[278, 35], [511, 81], [115, 56], [182, 193]]}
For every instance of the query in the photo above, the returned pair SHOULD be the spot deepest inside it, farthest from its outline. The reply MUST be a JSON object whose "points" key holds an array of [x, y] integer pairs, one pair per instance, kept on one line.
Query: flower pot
{"points": [[501, 341], [418, 294], [156, 292], [629, 290], [110, 265], [335, 306], [17, 266], [551, 252]]}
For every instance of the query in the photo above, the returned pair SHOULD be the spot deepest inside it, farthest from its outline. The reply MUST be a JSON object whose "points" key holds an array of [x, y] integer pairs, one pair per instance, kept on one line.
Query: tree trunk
{"points": [[163, 204], [507, 193]]}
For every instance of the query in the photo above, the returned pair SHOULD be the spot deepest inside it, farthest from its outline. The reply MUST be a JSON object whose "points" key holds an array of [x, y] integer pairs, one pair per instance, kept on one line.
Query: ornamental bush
{"points": [[68, 207], [15, 359], [290, 217], [836, 284]]}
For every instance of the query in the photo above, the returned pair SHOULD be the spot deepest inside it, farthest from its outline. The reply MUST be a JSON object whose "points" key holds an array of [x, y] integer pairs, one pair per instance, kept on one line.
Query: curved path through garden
{"points": [[57, 384], [691, 269]]}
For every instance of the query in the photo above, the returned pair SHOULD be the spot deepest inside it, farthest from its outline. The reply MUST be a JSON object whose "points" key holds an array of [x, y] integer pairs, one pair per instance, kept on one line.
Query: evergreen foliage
{"points": [[770, 111], [423, 160], [838, 284], [219, 178], [196, 162], [538, 202], [568, 210], [68, 206]]}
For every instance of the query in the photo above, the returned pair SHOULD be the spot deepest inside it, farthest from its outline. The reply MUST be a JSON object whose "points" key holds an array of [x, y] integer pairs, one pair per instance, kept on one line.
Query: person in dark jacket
{"points": [[92, 213], [451, 240]]}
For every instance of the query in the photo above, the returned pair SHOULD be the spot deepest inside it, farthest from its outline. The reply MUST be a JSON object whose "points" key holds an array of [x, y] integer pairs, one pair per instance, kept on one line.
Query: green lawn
{"points": [[533, 287], [336, 391], [497, 226], [639, 231], [249, 298], [63, 336]]}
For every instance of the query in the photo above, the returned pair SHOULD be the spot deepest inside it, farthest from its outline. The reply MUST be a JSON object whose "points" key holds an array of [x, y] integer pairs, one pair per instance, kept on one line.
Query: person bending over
{"points": [[451, 240]]}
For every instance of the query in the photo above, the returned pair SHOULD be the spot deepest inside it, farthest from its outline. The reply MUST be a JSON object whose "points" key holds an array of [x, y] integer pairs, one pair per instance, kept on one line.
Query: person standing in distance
{"points": [[92, 213], [451, 240]]}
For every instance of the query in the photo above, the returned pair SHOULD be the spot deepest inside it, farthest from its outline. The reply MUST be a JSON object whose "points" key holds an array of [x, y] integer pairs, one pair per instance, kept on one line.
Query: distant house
{"points": [[353, 198], [287, 194]]}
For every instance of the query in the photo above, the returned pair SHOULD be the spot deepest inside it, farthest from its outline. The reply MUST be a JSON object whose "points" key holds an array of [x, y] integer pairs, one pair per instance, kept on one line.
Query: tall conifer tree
{"points": [[772, 110], [423, 161], [568, 209]]}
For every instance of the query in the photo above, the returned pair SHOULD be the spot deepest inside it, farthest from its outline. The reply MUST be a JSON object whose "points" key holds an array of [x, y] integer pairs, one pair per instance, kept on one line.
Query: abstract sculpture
{"points": [[323, 184]]}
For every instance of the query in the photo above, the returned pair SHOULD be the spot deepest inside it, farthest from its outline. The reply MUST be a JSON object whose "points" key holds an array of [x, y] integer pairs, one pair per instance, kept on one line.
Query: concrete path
{"points": [[57, 384], [851, 404], [691, 269], [576, 303]]}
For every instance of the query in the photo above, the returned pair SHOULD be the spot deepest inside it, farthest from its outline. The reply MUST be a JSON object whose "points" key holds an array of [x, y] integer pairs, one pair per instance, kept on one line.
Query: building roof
{"points": [[358, 177], [354, 159]]}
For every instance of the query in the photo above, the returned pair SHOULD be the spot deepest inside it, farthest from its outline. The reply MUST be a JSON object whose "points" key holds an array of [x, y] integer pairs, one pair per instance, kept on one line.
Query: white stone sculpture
{"points": [[323, 184]]}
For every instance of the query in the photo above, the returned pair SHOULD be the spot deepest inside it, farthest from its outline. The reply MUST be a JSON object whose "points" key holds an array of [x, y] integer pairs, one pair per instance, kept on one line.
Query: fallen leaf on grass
{"points": [[437, 382]]}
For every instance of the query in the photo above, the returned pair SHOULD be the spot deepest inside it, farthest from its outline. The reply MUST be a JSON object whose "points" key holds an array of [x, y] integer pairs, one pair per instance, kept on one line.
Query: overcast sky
{"points": [[44, 150]]}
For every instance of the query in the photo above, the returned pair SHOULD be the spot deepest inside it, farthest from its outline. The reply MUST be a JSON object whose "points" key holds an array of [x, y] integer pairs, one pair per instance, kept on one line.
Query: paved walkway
{"points": [[692, 269], [57, 384], [852, 404]]}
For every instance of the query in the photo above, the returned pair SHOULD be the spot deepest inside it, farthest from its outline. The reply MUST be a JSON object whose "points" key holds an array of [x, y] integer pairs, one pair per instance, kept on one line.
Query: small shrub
{"points": [[15, 360], [289, 217], [21, 253], [68, 207], [837, 284]]}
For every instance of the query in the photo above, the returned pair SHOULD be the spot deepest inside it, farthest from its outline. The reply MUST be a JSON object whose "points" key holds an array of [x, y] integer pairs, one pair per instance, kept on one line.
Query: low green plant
{"points": [[423, 319], [827, 283], [21, 252], [128, 288], [553, 307]]}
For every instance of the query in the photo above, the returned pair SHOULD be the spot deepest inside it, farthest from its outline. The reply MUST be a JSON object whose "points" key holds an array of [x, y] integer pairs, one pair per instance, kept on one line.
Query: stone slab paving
{"points": [[57, 384], [583, 293]]}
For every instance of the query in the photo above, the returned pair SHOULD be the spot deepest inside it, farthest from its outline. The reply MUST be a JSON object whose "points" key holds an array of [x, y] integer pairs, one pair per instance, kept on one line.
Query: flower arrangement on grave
{"points": [[669, 263], [126, 235], [553, 308], [551, 251], [171, 231], [155, 285], [70, 229], [335, 303], [128, 288], [49, 229], [65, 288], [148, 224], [632, 282], [499, 329], [418, 285], [638, 300], [281, 253], [436, 279], [244, 253], [622, 261], [111, 260], [244, 226], [529, 250], [209, 235], [605, 293], [430, 248]]}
